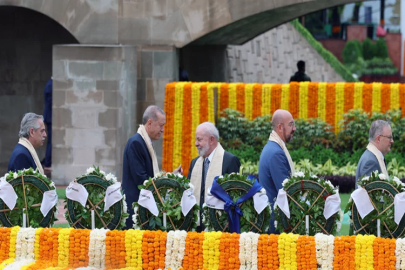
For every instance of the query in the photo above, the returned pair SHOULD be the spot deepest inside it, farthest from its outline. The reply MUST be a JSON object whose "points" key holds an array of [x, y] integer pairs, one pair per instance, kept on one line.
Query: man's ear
{"points": [[31, 133]]}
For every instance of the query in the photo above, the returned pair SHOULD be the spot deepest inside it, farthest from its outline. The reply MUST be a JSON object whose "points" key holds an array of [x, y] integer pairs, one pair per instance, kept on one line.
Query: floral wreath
{"points": [[236, 185], [96, 183], [306, 195], [167, 190], [29, 185], [381, 191]]}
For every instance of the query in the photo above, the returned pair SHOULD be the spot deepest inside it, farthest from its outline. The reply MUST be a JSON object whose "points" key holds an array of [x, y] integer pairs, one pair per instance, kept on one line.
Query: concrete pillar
{"points": [[93, 108], [99, 95]]}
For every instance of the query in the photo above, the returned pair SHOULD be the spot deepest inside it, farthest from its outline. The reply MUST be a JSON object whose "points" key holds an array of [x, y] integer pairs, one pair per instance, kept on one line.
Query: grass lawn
{"points": [[61, 193]]}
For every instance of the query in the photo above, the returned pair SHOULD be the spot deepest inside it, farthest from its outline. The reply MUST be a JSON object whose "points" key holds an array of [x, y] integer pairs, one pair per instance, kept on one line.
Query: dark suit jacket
{"points": [[368, 163], [137, 167], [230, 164], [48, 102], [20, 159]]}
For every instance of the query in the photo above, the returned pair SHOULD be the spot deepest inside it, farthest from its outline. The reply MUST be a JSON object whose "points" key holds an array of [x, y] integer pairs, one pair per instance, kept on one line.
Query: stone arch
{"points": [[27, 38]]}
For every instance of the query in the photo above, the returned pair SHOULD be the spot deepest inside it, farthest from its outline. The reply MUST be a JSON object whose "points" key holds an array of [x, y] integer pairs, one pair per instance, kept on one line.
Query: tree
{"points": [[351, 52], [381, 48], [368, 49]]}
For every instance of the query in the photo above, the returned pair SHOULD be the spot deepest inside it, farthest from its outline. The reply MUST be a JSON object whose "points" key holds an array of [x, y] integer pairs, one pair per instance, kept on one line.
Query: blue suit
{"points": [[137, 167], [20, 159], [273, 169], [48, 122]]}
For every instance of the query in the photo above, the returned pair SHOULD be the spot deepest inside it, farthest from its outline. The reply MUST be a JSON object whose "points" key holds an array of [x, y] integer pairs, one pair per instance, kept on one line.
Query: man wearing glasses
{"points": [[275, 163], [380, 141]]}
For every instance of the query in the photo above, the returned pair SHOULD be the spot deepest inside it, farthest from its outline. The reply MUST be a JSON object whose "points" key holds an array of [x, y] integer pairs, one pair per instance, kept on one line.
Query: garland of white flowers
{"points": [[175, 248], [25, 244], [17, 265], [248, 244], [324, 250], [400, 253], [97, 248]]}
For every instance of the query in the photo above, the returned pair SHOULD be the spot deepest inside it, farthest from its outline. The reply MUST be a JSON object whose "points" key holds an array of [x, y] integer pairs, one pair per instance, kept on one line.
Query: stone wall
{"points": [[272, 58], [25, 67], [99, 95]]}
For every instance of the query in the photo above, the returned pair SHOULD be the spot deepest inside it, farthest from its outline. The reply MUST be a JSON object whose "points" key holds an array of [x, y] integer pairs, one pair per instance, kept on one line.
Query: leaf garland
{"points": [[96, 194], [33, 195], [383, 200], [171, 204], [306, 199], [249, 213]]}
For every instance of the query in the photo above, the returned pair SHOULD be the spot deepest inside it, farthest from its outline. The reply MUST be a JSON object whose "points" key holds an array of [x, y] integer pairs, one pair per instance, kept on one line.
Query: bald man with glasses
{"points": [[380, 142], [275, 163]]}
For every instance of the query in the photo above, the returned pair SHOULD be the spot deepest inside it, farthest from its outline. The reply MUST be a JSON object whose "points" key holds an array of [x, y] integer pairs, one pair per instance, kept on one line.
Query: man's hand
{"points": [[178, 170]]}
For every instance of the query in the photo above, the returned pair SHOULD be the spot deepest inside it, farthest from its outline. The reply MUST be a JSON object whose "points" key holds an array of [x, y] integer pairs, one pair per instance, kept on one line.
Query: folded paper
{"points": [[77, 192], [362, 201], [332, 205], [282, 202], [147, 200], [112, 195], [49, 200], [7, 194], [188, 201]]}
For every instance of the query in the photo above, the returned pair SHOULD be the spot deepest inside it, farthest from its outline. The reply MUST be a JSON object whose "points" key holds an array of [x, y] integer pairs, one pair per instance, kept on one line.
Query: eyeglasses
{"points": [[388, 137], [290, 124]]}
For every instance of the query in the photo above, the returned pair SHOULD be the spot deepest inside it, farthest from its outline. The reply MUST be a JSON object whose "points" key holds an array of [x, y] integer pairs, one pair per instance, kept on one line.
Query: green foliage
{"points": [[326, 55], [310, 133], [351, 52], [381, 50], [369, 49]]}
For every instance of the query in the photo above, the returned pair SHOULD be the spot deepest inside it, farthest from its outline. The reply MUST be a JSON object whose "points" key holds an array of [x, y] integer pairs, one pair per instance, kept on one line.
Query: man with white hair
{"points": [[380, 141], [32, 136], [212, 161]]}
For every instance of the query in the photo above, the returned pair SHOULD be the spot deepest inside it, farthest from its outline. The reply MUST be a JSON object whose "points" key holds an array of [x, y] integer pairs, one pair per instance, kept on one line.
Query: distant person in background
{"points": [[183, 75], [48, 122], [300, 75]]}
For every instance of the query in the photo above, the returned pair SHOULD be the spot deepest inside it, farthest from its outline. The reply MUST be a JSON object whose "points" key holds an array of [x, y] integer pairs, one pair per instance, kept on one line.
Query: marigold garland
{"points": [[266, 99], [275, 98], [285, 97], [303, 100], [78, 248], [293, 102], [248, 104], [306, 256], [240, 97], [187, 133], [13, 240], [133, 248], [168, 135], [385, 97], [367, 97], [228, 247], [4, 243], [268, 252], [349, 97], [339, 103], [178, 124], [232, 96], [384, 253], [358, 95], [115, 249], [344, 253], [331, 103], [394, 95], [211, 105], [193, 257], [364, 252], [211, 250], [312, 100], [257, 100], [223, 97], [287, 250], [402, 98], [64, 245], [322, 101], [376, 97]]}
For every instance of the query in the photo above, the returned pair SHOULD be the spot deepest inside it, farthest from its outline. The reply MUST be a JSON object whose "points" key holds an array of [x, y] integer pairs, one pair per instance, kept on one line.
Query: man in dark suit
{"points": [[140, 162], [212, 161], [32, 135], [275, 163], [48, 122], [380, 141]]}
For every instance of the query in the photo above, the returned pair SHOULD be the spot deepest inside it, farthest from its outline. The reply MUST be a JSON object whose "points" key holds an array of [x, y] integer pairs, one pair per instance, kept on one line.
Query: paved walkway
{"points": [[61, 213]]}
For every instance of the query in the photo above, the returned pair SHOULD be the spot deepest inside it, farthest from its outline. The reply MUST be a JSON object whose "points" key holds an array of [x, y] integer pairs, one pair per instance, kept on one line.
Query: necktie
{"points": [[206, 165]]}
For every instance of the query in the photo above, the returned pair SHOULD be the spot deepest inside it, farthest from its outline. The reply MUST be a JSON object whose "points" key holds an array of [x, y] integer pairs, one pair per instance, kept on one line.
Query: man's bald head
{"points": [[283, 124], [279, 116]]}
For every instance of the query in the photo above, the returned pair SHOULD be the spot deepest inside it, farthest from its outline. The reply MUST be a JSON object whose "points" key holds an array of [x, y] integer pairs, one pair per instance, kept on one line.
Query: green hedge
{"points": [[327, 55]]}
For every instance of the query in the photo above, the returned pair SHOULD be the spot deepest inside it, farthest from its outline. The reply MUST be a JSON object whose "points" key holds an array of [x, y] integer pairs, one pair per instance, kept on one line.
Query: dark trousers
{"points": [[48, 155]]}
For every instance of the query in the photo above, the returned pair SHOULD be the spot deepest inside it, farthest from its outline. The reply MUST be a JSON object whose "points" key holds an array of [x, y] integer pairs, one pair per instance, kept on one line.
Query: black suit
{"points": [[137, 167], [230, 164]]}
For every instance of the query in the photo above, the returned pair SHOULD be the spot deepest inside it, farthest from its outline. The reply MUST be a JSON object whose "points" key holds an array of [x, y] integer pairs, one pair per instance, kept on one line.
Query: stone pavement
{"points": [[61, 213]]}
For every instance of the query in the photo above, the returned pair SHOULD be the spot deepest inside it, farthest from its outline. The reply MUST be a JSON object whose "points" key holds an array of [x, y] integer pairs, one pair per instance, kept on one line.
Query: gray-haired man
{"points": [[32, 135], [380, 141]]}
